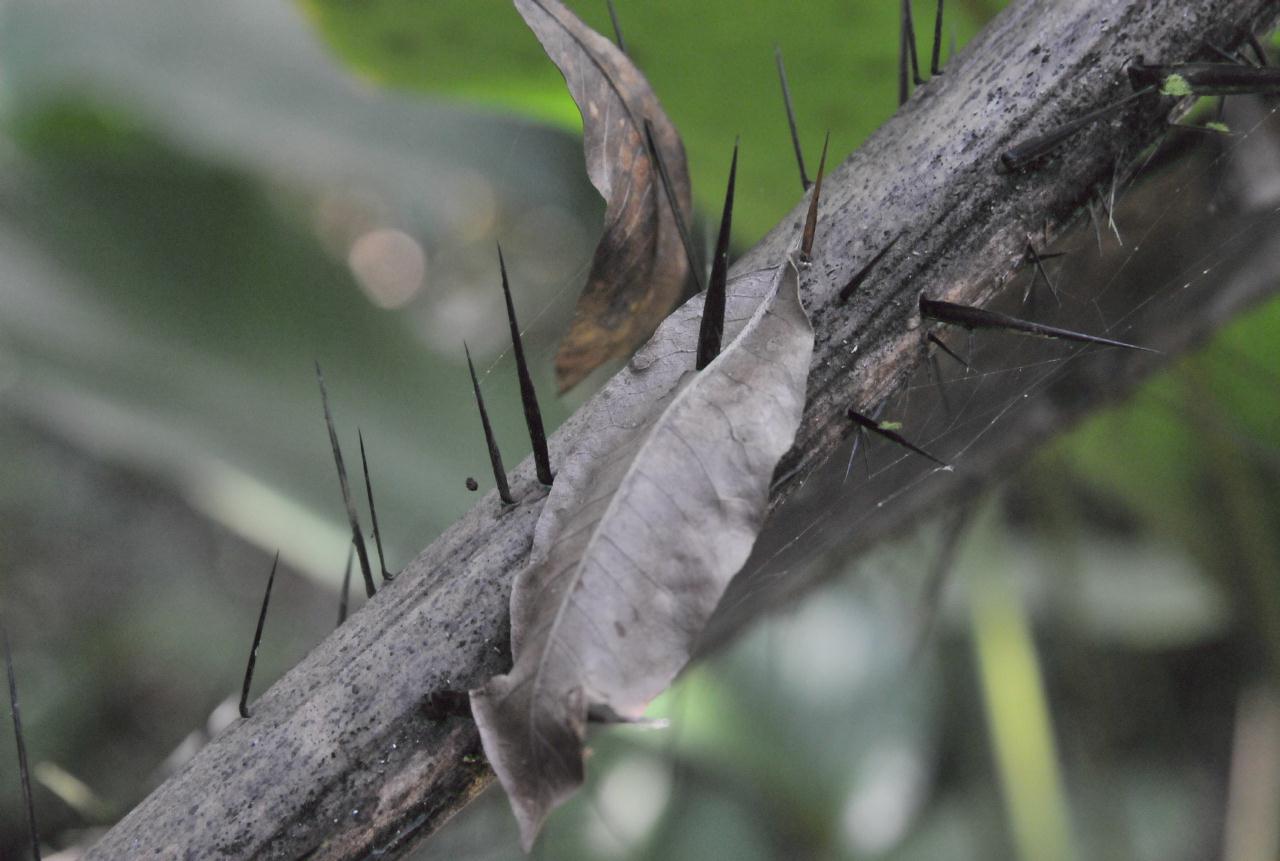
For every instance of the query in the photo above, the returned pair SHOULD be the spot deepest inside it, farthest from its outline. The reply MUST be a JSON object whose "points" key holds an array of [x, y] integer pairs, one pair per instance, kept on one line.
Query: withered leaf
{"points": [[634, 548], [639, 268]]}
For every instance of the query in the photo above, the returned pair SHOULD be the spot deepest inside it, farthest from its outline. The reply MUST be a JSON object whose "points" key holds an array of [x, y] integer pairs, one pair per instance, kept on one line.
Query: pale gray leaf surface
{"points": [[635, 546]]}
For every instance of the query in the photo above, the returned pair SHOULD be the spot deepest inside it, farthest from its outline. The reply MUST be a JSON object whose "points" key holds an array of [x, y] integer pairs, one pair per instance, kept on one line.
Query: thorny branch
{"points": [[344, 758]]}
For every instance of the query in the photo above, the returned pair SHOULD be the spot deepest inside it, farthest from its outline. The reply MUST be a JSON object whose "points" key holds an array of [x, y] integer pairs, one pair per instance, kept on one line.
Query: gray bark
{"points": [[342, 759]]}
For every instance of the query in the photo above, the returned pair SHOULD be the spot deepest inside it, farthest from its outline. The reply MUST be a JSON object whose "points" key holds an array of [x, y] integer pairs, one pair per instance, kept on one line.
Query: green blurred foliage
{"points": [[711, 64]]}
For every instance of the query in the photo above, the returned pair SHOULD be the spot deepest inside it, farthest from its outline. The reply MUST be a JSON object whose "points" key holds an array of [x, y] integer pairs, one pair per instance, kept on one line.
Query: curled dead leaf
{"points": [[639, 268], [635, 547]]}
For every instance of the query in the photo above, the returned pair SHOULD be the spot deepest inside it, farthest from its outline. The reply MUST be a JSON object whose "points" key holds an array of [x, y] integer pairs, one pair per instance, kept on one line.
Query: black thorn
{"points": [[670, 190], [1018, 157], [373, 512], [1206, 79], [346, 584], [711, 331], [24, 769], [909, 35], [495, 456], [861, 275], [811, 220], [876, 428], [1256, 46], [356, 535], [980, 318], [935, 59], [904, 79], [528, 395], [791, 117], [938, 342], [617, 30], [1037, 259], [860, 444], [1235, 58], [257, 639]]}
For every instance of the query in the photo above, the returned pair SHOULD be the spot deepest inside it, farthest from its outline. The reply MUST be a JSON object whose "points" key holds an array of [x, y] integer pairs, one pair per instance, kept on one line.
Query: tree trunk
{"points": [[345, 756]]}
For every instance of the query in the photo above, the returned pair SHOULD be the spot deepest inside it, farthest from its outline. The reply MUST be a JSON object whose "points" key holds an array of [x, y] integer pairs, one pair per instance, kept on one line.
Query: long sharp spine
{"points": [[791, 117], [711, 331], [387, 577], [941, 345], [528, 395], [356, 535], [346, 584], [811, 219], [904, 79], [669, 189], [935, 60], [257, 640], [876, 428], [1036, 259], [860, 276], [617, 28], [1029, 151], [909, 36], [495, 456], [980, 318], [24, 769]]}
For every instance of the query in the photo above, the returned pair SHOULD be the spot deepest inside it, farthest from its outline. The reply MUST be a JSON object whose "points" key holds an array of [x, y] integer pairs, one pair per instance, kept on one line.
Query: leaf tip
{"points": [[537, 781]]}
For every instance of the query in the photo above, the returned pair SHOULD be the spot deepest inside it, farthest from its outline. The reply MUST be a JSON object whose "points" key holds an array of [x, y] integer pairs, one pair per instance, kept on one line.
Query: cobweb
{"points": [[1158, 259]]}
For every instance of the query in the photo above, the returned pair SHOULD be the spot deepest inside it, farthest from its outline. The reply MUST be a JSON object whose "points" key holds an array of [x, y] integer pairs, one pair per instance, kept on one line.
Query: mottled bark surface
{"points": [[342, 760]]}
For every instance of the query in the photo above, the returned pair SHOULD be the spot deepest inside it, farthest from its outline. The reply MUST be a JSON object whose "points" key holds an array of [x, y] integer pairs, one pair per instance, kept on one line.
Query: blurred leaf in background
{"points": [[711, 64]]}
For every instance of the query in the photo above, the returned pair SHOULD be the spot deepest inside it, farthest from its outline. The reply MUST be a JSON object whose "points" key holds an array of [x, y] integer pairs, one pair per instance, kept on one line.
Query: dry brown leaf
{"points": [[636, 545], [639, 269]]}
